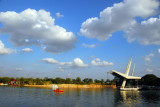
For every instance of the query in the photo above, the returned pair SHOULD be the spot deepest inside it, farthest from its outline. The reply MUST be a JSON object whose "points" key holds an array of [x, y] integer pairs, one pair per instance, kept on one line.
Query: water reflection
{"points": [[38, 97], [151, 96], [89, 97], [127, 98]]}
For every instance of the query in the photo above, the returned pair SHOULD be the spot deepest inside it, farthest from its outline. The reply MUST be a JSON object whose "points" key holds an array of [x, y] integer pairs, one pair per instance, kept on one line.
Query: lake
{"points": [[40, 97]]}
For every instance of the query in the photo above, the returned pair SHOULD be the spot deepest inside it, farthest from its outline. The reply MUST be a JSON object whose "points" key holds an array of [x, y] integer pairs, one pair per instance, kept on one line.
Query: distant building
{"points": [[14, 82]]}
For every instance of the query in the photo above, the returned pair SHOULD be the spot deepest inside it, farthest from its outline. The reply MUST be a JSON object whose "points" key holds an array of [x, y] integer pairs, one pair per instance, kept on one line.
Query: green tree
{"points": [[38, 81], [85, 80], [96, 81], [90, 81], [73, 81], [108, 82], [150, 80], [68, 81], [59, 80], [30, 81], [78, 80], [102, 81], [5, 79], [22, 80], [113, 82], [17, 79]]}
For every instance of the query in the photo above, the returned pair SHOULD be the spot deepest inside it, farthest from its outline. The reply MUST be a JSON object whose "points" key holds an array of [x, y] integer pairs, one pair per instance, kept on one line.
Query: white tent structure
{"points": [[125, 77], [54, 87]]}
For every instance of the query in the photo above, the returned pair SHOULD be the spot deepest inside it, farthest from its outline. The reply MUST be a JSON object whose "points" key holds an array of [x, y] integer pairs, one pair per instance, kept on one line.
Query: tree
{"points": [[90, 81], [59, 80], [78, 80], [108, 82], [102, 81], [5, 79], [85, 81], [68, 81], [39, 81], [113, 82], [30, 81], [22, 80], [150, 80], [73, 81], [97, 81], [17, 79]]}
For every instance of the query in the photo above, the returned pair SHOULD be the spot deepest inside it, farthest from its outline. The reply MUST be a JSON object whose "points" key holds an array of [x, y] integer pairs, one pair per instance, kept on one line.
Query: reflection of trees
{"points": [[151, 96], [127, 98]]}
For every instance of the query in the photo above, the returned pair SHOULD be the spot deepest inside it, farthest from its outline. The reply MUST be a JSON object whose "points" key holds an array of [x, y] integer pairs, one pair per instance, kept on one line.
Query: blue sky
{"points": [[78, 38]]}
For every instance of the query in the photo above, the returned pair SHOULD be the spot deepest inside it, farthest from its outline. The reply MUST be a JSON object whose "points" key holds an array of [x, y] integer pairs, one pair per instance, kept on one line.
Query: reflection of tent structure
{"points": [[130, 98], [125, 81]]}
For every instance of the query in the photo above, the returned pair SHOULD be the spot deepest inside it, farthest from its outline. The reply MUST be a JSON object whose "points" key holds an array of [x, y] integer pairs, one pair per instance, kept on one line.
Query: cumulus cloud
{"points": [[27, 50], [50, 60], [118, 17], [59, 15], [76, 63], [4, 50], [149, 70], [88, 46], [98, 62], [19, 69], [66, 63], [147, 32], [33, 27], [159, 51], [147, 58], [60, 69]]}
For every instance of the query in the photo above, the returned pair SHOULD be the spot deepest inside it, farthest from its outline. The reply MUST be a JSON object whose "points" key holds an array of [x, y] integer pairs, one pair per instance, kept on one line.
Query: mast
{"points": [[133, 70], [128, 67]]}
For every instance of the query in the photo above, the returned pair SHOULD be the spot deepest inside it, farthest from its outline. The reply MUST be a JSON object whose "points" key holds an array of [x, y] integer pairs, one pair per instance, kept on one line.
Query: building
{"points": [[124, 81], [14, 82]]}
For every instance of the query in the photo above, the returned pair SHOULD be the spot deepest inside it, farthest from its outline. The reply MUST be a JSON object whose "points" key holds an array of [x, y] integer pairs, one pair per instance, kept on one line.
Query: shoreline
{"points": [[73, 86]]}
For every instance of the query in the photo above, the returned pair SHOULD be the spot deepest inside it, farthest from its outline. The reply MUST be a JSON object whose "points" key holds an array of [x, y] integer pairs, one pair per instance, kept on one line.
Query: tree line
{"points": [[148, 80], [58, 80]]}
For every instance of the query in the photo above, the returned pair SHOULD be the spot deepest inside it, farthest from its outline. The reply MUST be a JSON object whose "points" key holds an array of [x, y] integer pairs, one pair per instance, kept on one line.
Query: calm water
{"points": [[38, 97]]}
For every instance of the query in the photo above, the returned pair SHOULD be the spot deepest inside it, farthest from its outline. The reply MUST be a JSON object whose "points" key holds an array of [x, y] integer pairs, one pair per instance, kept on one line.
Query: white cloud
{"points": [[98, 62], [27, 50], [60, 69], [146, 32], [66, 63], [59, 15], [4, 50], [89, 46], [118, 17], [149, 70], [50, 60], [159, 51], [76, 63], [147, 58], [33, 27], [19, 69]]}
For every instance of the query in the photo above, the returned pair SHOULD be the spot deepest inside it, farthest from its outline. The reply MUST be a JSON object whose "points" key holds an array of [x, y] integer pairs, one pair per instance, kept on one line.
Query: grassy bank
{"points": [[73, 86]]}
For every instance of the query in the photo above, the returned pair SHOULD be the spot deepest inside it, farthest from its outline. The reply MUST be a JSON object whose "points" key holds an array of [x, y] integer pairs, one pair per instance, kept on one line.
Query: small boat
{"points": [[58, 90]]}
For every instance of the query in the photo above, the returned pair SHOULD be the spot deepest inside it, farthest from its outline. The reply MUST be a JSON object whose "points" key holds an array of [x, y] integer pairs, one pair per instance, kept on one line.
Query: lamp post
{"points": [[107, 75]]}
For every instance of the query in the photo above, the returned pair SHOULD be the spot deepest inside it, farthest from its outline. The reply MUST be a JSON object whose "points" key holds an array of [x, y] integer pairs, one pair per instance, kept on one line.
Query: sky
{"points": [[78, 38]]}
